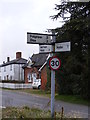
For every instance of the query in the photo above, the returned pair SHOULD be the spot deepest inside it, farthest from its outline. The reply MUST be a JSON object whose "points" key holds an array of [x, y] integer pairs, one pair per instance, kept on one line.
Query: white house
{"points": [[12, 70]]}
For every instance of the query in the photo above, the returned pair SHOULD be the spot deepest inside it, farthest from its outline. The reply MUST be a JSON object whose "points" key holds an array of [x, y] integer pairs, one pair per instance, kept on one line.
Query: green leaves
{"points": [[72, 78]]}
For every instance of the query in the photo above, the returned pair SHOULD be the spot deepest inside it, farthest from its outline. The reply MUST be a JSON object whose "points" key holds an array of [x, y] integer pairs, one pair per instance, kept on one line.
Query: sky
{"points": [[17, 17]]}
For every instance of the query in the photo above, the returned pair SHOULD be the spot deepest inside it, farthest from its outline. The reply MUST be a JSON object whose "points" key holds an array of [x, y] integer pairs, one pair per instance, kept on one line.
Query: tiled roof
{"points": [[15, 61], [39, 59]]}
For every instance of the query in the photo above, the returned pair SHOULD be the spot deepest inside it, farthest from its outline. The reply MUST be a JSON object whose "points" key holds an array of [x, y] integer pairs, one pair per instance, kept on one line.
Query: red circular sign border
{"points": [[50, 61]]}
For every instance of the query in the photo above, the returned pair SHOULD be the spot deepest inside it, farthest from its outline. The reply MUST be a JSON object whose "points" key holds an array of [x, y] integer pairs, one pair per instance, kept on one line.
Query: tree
{"points": [[73, 76]]}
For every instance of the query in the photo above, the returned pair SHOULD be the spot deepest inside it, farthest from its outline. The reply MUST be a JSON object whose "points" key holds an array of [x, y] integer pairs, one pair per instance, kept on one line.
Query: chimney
{"points": [[3, 62], [18, 55], [8, 59]]}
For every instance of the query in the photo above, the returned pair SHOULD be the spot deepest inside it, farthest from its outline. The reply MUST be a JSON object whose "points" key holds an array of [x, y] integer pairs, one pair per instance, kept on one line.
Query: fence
{"points": [[15, 86]]}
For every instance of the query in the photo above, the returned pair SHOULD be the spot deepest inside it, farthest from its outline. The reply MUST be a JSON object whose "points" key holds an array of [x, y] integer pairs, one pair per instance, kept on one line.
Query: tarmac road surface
{"points": [[14, 98]]}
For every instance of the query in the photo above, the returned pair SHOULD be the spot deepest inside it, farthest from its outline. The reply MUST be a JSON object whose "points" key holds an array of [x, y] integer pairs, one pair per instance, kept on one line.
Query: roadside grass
{"points": [[76, 99], [26, 112], [32, 91], [37, 92]]}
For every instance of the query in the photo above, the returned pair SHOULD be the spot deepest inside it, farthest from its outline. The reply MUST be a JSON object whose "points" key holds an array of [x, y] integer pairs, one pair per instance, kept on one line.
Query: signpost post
{"points": [[54, 64], [47, 44], [53, 81], [52, 93]]}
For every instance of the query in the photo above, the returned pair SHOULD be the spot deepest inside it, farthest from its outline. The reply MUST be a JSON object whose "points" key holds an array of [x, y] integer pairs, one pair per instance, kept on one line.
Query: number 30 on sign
{"points": [[54, 63]]}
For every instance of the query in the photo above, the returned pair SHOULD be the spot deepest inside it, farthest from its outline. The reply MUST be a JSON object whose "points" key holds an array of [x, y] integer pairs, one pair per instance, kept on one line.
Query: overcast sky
{"points": [[17, 17]]}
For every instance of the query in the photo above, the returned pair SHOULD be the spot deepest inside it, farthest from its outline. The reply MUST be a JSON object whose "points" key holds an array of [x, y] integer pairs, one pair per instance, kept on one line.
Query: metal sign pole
{"points": [[53, 83], [52, 92]]}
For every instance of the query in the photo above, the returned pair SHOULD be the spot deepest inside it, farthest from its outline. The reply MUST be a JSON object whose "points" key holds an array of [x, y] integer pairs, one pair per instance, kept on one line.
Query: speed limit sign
{"points": [[54, 63]]}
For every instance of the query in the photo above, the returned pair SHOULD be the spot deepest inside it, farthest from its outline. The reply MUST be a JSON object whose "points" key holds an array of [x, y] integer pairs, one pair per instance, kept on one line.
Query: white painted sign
{"points": [[37, 38], [54, 63], [61, 47], [45, 48]]}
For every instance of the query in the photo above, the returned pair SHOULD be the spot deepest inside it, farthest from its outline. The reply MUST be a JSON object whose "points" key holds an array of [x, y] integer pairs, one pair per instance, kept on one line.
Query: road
{"points": [[13, 98]]}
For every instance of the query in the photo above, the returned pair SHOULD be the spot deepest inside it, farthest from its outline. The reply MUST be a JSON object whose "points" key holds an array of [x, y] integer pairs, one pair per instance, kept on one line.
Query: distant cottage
{"points": [[12, 70]]}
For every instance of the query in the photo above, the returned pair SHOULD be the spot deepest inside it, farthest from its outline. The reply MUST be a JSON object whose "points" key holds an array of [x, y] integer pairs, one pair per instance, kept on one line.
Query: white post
{"points": [[53, 80], [52, 92]]}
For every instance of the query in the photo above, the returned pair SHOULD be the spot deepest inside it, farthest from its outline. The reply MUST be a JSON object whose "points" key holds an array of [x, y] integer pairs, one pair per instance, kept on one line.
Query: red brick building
{"points": [[36, 68], [43, 77]]}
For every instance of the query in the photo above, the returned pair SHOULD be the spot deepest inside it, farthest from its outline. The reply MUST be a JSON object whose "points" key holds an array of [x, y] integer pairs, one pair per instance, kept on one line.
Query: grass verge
{"points": [[37, 92], [72, 99], [26, 112]]}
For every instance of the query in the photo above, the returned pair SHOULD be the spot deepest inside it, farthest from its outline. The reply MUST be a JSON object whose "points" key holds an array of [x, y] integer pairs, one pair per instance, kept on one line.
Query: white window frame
{"points": [[34, 75], [29, 76]]}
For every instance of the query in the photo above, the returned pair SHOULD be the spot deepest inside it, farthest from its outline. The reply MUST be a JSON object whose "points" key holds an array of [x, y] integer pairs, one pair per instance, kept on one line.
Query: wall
{"points": [[43, 78], [18, 72], [15, 86]]}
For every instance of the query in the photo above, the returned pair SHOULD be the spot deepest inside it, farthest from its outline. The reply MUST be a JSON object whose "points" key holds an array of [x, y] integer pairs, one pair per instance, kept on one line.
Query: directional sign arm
{"points": [[38, 38], [61, 47]]}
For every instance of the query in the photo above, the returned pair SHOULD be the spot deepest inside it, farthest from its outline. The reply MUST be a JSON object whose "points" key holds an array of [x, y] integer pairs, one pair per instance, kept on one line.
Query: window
{"points": [[0, 69], [34, 75], [29, 77], [4, 78], [10, 67], [10, 77], [5, 69]]}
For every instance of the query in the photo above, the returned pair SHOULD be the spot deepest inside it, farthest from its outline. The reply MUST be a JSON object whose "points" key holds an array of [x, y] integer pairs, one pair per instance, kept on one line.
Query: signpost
{"points": [[45, 48], [61, 47], [47, 44], [38, 38]]}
